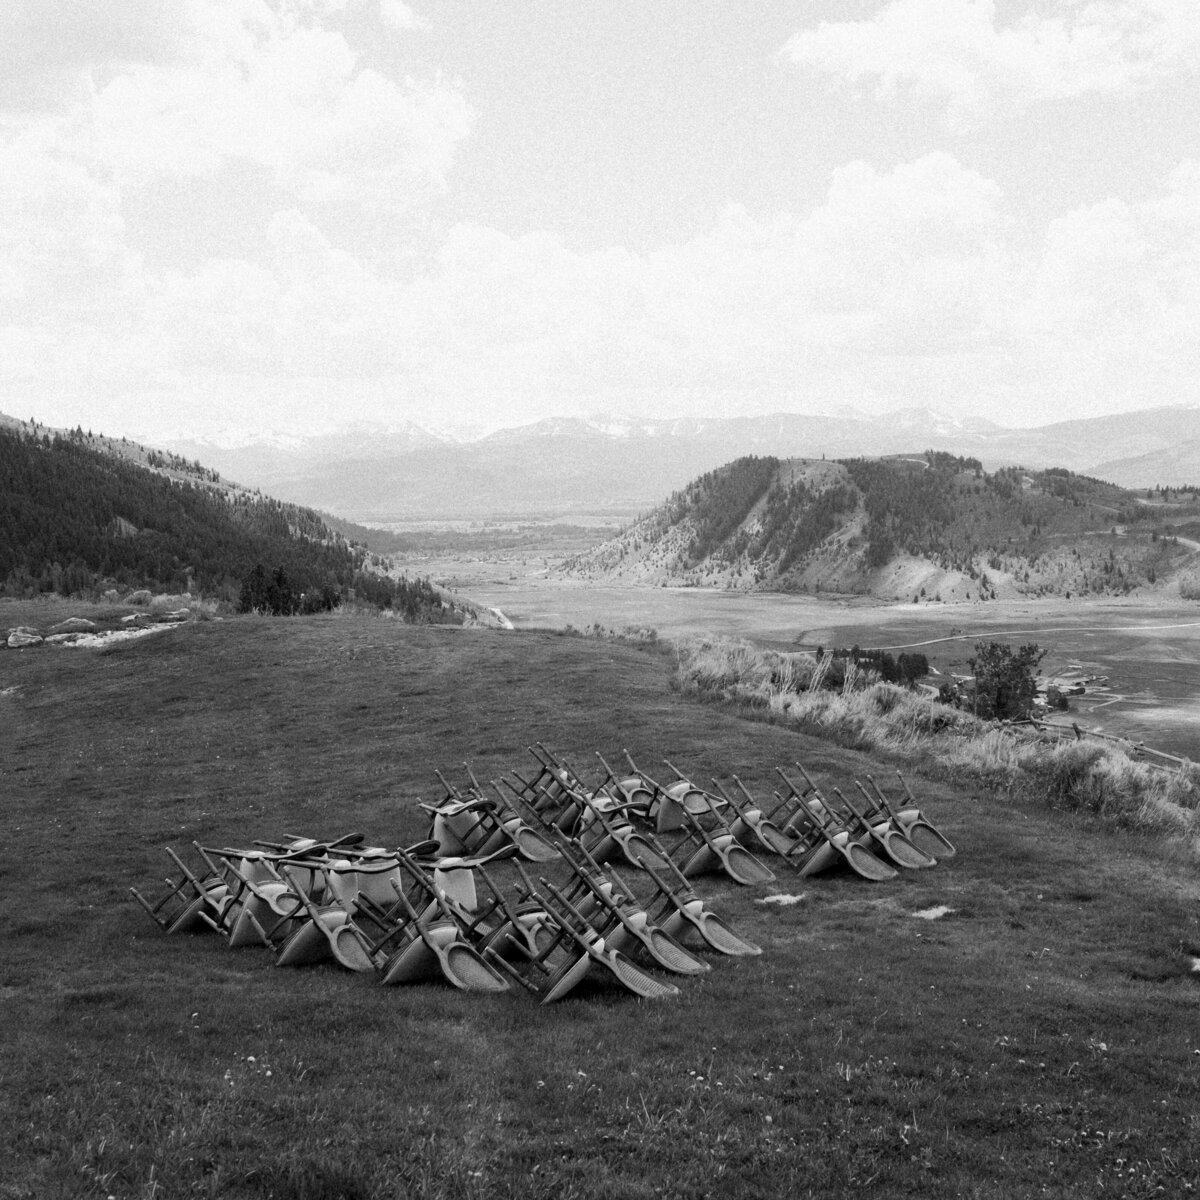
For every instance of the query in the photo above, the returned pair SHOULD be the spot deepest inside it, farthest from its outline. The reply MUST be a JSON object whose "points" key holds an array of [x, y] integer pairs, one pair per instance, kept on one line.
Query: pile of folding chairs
{"points": [[541, 879]]}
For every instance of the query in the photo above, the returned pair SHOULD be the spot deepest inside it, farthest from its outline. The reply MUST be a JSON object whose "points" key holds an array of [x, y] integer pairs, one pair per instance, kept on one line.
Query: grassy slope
{"points": [[1041, 1040]]}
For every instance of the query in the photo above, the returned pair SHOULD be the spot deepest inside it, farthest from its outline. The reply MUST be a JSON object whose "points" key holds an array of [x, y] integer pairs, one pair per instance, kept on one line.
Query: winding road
{"points": [[998, 633]]}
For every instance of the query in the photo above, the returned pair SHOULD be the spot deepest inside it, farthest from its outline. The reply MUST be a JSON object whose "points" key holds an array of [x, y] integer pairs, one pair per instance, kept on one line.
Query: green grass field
{"points": [[1038, 1040]]}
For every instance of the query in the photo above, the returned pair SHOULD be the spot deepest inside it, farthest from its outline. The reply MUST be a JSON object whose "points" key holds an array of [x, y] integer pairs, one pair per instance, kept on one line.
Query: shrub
{"points": [[164, 603], [1084, 776], [886, 697], [1066, 775], [1090, 777]]}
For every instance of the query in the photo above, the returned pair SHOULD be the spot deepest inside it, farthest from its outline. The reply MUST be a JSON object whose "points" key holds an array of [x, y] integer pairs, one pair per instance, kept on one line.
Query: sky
{"points": [[220, 218]]}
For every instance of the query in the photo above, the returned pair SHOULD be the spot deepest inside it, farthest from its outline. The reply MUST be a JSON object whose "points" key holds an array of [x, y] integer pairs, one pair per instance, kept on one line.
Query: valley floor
{"points": [[1142, 654]]}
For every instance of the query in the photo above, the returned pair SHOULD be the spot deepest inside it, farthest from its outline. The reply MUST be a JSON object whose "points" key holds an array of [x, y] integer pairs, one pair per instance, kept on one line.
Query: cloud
{"points": [[906, 260], [958, 53], [294, 102], [909, 281], [236, 83], [145, 113], [45, 48], [1122, 280], [398, 15]]}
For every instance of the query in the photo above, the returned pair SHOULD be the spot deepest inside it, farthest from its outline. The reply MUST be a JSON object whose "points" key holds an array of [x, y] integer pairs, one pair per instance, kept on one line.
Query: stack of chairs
{"points": [[599, 818], [704, 838], [474, 823], [369, 909], [803, 809], [191, 901], [805, 835], [831, 832], [614, 901], [908, 818]]}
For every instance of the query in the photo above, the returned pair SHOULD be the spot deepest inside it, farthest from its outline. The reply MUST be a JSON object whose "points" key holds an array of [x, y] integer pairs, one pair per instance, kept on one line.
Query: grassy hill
{"points": [[82, 515], [919, 527], [1036, 1039]]}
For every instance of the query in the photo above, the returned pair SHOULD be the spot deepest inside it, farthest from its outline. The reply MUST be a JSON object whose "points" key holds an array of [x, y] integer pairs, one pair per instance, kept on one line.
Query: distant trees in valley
{"points": [[417, 601], [1005, 679], [276, 594], [904, 669]]}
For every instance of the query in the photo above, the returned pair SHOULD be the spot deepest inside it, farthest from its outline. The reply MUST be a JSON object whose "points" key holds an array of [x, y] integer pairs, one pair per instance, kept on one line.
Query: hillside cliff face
{"points": [[916, 527]]}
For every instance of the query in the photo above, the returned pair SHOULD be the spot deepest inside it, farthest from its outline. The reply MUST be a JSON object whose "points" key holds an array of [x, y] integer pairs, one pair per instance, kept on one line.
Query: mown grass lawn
{"points": [[1041, 1039]]}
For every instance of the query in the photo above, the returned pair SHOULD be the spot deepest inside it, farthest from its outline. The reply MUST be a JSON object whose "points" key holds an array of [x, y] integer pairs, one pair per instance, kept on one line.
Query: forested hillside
{"points": [[921, 527], [77, 519]]}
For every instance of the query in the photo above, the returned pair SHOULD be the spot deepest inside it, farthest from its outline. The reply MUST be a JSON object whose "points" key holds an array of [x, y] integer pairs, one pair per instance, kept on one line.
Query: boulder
{"points": [[74, 625], [19, 638]]}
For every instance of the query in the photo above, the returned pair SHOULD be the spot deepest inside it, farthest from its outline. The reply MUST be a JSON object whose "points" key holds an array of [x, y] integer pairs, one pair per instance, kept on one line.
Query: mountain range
{"points": [[615, 467], [80, 511]]}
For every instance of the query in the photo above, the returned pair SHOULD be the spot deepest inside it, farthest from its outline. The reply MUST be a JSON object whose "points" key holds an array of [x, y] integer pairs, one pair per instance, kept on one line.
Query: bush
{"points": [[166, 603], [1066, 776], [1090, 777], [887, 697], [1084, 776]]}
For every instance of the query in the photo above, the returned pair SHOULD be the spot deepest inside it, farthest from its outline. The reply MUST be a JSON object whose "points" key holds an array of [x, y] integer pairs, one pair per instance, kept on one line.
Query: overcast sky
{"points": [[293, 214]]}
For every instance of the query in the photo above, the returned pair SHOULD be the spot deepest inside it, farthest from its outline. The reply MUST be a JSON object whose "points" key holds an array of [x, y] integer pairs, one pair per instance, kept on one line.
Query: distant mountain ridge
{"points": [[622, 465], [917, 527]]}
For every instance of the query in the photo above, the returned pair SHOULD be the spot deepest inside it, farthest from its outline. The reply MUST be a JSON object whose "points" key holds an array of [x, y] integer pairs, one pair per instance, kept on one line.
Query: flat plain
{"points": [[1145, 649], [1039, 1038]]}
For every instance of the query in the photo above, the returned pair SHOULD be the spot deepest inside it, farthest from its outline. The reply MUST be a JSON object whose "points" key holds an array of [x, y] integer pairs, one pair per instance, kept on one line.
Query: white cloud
{"points": [[292, 101], [900, 261], [910, 282], [903, 259], [960, 53], [45, 47], [240, 83], [1122, 280], [142, 104], [398, 15]]}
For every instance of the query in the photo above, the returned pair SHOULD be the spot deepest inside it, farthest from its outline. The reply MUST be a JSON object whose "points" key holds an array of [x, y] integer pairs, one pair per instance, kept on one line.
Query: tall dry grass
{"points": [[197, 607], [1189, 586], [1091, 777], [735, 666], [866, 714]]}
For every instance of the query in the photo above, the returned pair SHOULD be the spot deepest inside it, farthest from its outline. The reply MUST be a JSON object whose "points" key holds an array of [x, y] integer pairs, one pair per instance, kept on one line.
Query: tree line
{"points": [[75, 520], [274, 593]]}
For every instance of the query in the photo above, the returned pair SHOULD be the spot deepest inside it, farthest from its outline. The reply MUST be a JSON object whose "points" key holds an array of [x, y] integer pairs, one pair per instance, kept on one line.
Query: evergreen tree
{"points": [[1005, 679]]}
